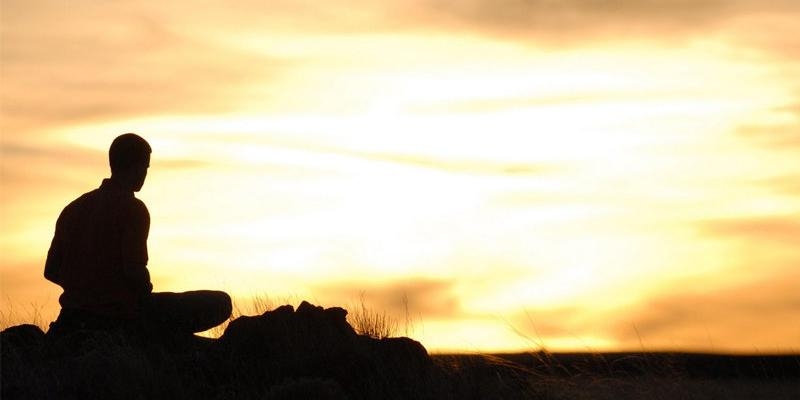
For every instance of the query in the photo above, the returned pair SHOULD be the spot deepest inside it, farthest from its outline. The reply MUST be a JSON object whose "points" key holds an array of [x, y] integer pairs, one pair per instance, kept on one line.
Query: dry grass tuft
{"points": [[32, 314], [366, 321]]}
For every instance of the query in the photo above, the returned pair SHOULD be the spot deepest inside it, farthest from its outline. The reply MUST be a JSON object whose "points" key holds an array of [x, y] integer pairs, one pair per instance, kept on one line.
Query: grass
{"points": [[29, 314], [256, 306], [366, 321]]}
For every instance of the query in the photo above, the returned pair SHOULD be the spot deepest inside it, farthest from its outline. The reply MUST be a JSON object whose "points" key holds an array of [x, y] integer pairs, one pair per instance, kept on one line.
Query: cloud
{"points": [[180, 164], [425, 297], [62, 154], [97, 61], [766, 26], [780, 230], [460, 166], [787, 184], [535, 22], [41, 171], [463, 166], [579, 21], [502, 104], [785, 136], [538, 324], [773, 31], [791, 108], [752, 313]]}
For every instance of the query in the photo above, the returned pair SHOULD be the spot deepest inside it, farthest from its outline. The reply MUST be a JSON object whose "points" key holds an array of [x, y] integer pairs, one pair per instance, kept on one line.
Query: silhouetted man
{"points": [[99, 257]]}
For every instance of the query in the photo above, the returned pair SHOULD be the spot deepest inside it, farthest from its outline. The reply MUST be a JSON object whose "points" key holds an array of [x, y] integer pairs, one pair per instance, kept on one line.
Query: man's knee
{"points": [[224, 304], [218, 303]]}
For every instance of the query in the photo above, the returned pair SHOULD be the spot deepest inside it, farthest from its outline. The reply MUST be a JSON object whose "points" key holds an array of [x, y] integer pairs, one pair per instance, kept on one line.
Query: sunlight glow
{"points": [[592, 182]]}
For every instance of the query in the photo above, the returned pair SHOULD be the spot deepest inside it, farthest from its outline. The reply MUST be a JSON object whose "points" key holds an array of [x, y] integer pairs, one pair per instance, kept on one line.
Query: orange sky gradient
{"points": [[575, 175]]}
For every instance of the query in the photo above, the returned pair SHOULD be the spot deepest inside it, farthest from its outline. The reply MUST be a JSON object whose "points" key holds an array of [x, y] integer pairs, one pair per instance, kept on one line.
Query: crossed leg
{"points": [[187, 312]]}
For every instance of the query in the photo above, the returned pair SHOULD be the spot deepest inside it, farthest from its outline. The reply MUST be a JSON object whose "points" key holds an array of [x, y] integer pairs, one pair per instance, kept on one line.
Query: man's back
{"points": [[99, 253]]}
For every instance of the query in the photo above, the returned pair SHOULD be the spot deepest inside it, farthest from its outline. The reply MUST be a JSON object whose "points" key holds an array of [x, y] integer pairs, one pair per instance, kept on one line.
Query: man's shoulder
{"points": [[138, 206], [131, 207], [82, 201], [98, 199]]}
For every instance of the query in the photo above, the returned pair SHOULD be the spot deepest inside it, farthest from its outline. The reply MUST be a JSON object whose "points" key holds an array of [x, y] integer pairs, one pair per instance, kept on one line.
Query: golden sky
{"points": [[577, 174]]}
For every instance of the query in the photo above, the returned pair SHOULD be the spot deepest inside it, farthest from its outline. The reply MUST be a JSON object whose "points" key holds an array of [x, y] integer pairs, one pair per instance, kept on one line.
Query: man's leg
{"points": [[188, 312], [73, 320]]}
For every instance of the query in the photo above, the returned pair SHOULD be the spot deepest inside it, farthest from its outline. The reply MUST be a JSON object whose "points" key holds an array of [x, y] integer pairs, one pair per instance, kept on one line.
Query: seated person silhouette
{"points": [[99, 257]]}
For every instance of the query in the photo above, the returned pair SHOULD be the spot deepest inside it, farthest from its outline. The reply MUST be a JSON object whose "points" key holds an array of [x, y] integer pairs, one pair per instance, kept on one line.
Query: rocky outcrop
{"points": [[319, 343], [310, 352]]}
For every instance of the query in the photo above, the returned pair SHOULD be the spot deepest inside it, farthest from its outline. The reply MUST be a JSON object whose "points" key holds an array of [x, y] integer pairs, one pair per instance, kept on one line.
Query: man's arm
{"points": [[135, 257], [52, 266]]}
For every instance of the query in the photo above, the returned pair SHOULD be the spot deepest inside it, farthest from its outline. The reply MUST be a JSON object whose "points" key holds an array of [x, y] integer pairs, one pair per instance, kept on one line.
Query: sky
{"points": [[504, 175]]}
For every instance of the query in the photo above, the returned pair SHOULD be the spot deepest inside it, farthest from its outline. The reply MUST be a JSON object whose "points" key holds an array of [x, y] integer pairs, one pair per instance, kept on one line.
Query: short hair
{"points": [[128, 150]]}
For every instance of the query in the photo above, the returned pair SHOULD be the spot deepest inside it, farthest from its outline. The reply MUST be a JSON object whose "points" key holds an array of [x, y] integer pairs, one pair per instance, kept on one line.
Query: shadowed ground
{"points": [[313, 353]]}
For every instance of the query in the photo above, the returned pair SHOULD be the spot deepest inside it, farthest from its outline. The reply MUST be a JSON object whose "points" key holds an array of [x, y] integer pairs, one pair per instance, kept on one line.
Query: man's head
{"points": [[129, 157]]}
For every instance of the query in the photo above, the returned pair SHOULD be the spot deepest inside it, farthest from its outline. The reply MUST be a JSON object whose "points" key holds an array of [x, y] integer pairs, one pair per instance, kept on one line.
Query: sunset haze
{"points": [[496, 175]]}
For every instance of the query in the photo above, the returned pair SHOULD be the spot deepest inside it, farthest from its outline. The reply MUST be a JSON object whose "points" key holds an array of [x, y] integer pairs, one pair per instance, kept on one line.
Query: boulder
{"points": [[316, 342], [21, 352], [310, 352]]}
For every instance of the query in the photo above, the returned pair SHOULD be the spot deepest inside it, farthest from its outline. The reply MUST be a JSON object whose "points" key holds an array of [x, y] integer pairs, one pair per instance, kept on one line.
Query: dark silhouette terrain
{"points": [[309, 352], [313, 353]]}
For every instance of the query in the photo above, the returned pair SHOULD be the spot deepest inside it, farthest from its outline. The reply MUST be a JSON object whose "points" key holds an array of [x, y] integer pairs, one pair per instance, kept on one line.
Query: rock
{"points": [[21, 352], [310, 352], [26, 335], [317, 342]]}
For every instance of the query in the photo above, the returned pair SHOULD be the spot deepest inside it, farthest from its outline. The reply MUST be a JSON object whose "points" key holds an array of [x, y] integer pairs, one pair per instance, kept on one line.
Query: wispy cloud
{"points": [[96, 62], [756, 24], [777, 136], [786, 184], [462, 166], [13, 149], [28, 169], [783, 229], [588, 21], [133, 60], [539, 324], [734, 317], [457, 165], [501, 104], [426, 297]]}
